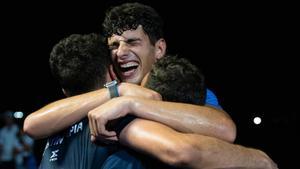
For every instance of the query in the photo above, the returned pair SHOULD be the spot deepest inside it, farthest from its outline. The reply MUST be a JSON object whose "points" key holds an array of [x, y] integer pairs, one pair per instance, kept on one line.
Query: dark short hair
{"points": [[129, 16], [80, 62], [176, 79]]}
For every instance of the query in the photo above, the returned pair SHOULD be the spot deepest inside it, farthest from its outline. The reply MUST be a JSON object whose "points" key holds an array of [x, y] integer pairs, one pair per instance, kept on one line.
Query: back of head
{"points": [[80, 63], [176, 79], [129, 16]]}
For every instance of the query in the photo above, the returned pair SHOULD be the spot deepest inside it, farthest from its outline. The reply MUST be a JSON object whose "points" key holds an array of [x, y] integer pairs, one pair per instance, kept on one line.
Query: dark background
{"points": [[247, 51]]}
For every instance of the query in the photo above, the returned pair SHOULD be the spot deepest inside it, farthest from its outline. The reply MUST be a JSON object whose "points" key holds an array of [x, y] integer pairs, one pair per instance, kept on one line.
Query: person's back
{"points": [[80, 64], [72, 148]]}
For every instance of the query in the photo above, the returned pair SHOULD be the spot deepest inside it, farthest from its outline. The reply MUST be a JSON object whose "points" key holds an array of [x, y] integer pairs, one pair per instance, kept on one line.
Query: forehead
{"points": [[129, 34]]}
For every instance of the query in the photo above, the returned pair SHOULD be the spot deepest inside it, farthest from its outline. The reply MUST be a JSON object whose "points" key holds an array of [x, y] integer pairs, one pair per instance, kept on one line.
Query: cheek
{"points": [[147, 65], [113, 54], [148, 58]]}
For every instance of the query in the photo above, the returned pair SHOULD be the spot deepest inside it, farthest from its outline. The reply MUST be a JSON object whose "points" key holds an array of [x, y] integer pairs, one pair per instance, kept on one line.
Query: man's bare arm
{"points": [[190, 150], [185, 118], [59, 115]]}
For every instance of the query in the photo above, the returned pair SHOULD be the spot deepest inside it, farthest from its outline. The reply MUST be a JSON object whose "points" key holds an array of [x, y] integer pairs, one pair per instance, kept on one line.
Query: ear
{"points": [[160, 48], [112, 73]]}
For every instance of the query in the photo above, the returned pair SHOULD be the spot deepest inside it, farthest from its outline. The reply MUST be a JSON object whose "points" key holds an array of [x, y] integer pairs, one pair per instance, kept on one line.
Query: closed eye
{"points": [[133, 42]]}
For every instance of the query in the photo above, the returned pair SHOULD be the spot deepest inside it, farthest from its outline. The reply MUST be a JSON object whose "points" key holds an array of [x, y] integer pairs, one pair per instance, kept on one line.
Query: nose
{"points": [[123, 49]]}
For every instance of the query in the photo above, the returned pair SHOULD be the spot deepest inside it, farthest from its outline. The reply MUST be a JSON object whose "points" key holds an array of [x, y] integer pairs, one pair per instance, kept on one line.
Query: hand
{"points": [[111, 110], [128, 89], [104, 139]]}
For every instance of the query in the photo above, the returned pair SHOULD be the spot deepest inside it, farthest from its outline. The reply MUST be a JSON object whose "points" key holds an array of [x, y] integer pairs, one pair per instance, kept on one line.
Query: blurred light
{"points": [[18, 114], [257, 120]]}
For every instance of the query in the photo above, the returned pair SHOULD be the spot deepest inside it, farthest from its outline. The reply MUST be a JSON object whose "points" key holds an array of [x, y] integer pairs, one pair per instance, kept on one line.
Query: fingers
{"points": [[104, 140], [92, 131], [101, 128], [93, 124], [113, 138], [97, 125], [93, 138]]}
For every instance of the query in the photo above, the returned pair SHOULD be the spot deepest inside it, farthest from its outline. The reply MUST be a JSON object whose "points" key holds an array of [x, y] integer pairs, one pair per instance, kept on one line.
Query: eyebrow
{"points": [[129, 40], [132, 40]]}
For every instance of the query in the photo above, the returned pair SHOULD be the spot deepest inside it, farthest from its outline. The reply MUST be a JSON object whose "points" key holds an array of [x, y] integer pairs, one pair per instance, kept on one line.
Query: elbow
{"points": [[231, 131], [28, 129], [222, 126], [227, 130]]}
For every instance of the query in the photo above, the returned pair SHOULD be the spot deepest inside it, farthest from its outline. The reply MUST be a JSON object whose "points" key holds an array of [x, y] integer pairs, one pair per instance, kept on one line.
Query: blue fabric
{"points": [[73, 149], [123, 159], [211, 99]]}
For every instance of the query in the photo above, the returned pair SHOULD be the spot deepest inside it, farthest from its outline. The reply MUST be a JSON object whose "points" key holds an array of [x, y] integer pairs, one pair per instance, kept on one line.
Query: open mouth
{"points": [[128, 69]]}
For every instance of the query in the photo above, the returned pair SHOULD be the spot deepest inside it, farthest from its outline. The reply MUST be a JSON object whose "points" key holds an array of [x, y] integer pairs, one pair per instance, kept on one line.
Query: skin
{"points": [[63, 113], [175, 148], [132, 48], [168, 113], [60, 114], [191, 150], [156, 139]]}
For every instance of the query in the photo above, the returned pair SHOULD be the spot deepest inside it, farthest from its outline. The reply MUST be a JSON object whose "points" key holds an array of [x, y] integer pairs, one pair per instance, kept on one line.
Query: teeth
{"points": [[129, 64]]}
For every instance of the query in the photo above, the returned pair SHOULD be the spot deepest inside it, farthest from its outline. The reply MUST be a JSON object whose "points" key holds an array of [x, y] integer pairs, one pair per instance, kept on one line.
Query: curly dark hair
{"points": [[80, 62], [129, 16], [176, 79]]}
